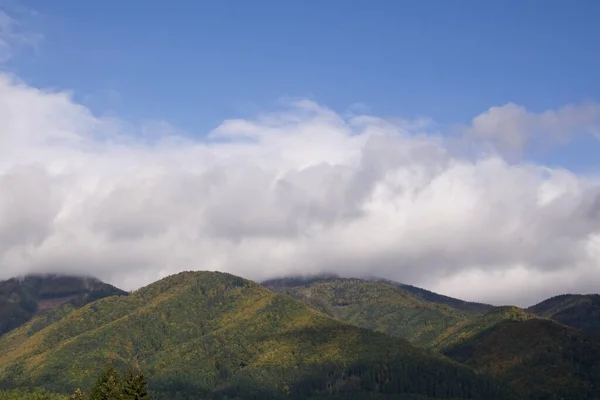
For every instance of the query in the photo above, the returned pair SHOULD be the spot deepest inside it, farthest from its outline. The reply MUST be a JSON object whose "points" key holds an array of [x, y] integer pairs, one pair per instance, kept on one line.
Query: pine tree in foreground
{"points": [[135, 386], [108, 386]]}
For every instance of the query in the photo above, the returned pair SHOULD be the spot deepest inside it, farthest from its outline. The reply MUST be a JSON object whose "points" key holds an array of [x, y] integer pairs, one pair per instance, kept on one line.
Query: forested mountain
{"points": [[21, 299], [481, 323], [421, 317], [479, 335], [577, 311], [214, 335], [539, 358], [427, 295]]}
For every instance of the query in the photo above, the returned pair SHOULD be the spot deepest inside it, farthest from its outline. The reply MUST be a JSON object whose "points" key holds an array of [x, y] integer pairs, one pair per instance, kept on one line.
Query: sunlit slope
{"points": [[427, 295], [379, 306], [479, 324], [216, 334]]}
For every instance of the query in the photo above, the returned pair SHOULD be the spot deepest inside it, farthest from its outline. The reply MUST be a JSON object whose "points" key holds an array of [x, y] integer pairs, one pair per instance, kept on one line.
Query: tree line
{"points": [[110, 385]]}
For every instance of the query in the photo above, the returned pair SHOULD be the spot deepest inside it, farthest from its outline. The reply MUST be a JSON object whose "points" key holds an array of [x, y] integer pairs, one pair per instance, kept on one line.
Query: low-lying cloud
{"points": [[305, 190]]}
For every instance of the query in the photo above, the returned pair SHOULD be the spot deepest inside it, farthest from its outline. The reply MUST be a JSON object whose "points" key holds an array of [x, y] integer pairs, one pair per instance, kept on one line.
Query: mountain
{"points": [[467, 306], [421, 317], [215, 335], [479, 324], [577, 311], [539, 358], [21, 299]]}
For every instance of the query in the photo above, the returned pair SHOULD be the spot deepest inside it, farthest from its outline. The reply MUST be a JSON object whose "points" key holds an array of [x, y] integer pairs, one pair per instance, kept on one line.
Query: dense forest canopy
{"points": [[215, 336]]}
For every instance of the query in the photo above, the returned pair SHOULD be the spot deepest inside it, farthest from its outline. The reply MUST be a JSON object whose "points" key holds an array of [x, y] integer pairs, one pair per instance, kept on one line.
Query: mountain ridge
{"points": [[297, 280], [580, 311], [380, 305], [239, 338], [468, 306], [315, 336]]}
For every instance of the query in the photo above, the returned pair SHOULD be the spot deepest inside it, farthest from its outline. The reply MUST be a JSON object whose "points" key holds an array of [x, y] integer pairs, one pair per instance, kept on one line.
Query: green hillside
{"points": [[577, 311], [21, 299], [467, 306], [481, 323], [214, 335], [377, 305], [539, 358], [31, 395]]}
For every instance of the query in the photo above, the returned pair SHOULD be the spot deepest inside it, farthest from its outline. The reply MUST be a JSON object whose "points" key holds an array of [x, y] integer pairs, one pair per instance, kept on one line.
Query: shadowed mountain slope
{"points": [[577, 311], [21, 299], [539, 358], [211, 335]]}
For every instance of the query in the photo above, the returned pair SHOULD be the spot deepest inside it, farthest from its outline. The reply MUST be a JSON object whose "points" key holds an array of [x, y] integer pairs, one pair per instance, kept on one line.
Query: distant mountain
{"points": [[577, 311], [401, 311], [21, 299], [213, 335], [539, 358]]}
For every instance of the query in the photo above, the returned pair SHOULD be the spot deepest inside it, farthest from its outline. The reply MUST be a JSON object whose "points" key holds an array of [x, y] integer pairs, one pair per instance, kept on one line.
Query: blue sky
{"points": [[194, 63]]}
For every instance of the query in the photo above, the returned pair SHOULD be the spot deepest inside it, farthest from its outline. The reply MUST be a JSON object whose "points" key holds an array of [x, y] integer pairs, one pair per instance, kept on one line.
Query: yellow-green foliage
{"points": [[378, 306], [466, 330], [209, 332]]}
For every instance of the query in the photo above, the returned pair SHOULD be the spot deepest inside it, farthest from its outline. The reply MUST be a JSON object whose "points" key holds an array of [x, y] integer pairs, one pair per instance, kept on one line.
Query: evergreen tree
{"points": [[108, 386], [135, 386]]}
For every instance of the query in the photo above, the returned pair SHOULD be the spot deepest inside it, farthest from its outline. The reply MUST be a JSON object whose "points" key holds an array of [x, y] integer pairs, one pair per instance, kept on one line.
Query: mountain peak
{"points": [[215, 335]]}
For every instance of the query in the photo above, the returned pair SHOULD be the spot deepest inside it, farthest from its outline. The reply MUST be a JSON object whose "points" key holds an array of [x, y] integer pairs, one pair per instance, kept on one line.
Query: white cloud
{"points": [[513, 128], [298, 191]]}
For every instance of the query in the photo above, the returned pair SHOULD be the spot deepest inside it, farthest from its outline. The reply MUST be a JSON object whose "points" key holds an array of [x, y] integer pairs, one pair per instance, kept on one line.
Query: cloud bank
{"points": [[298, 191]]}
